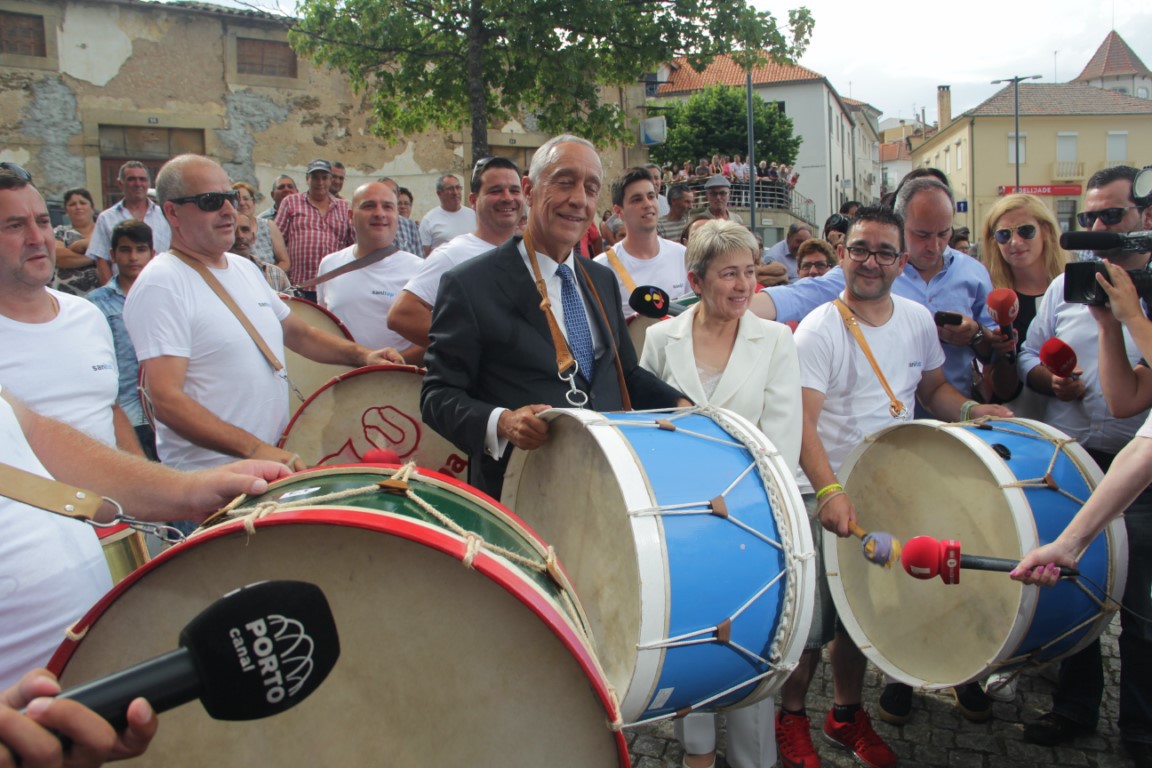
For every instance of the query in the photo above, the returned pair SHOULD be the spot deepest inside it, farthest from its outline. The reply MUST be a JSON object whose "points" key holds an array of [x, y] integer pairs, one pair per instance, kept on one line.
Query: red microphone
{"points": [[924, 557], [1004, 305], [1059, 358]]}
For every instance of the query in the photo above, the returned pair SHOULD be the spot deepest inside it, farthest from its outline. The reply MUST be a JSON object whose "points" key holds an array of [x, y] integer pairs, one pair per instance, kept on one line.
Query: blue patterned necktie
{"points": [[576, 322]]}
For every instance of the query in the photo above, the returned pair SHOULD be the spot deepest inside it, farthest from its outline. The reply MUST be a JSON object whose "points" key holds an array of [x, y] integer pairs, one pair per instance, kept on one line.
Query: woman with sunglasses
{"points": [[75, 271], [269, 246], [1021, 249]]}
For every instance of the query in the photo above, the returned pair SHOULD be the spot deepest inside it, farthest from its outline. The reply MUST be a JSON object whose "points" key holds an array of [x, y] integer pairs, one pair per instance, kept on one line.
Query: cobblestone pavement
{"points": [[937, 736]]}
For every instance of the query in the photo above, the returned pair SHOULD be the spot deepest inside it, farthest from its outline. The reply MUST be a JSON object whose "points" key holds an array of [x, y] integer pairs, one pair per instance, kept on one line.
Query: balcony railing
{"points": [[1067, 170], [772, 195]]}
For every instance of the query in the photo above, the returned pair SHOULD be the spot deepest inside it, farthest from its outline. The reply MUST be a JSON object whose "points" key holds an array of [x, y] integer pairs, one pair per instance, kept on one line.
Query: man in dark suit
{"points": [[492, 365]]}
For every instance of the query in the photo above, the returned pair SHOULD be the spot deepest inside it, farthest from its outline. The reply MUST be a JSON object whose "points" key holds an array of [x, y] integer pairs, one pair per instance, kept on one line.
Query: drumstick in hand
{"points": [[878, 547]]}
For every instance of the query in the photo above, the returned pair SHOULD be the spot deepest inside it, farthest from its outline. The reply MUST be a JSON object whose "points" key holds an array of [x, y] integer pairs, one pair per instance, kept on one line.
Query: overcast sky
{"points": [[892, 55]]}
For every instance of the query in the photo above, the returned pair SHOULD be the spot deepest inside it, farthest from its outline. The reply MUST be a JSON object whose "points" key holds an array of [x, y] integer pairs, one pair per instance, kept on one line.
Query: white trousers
{"points": [[751, 734]]}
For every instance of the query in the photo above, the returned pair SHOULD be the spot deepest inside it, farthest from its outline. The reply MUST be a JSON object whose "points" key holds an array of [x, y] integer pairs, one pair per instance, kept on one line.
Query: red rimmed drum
{"points": [[442, 663], [375, 407]]}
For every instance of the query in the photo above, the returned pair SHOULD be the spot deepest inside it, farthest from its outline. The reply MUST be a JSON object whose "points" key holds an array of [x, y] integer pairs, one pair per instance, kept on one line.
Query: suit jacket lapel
{"points": [[682, 358], [748, 354], [518, 286]]}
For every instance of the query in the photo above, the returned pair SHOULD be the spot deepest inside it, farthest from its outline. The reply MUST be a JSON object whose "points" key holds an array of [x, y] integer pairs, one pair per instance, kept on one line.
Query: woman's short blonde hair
{"points": [[714, 238]]}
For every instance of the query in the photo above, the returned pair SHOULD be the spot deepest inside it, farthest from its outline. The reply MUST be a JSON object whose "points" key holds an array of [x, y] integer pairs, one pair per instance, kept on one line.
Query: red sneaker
{"points": [[794, 741], [858, 738]]}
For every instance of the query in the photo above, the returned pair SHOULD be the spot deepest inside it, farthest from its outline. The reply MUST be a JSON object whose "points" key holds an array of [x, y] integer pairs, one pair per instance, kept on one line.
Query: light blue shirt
{"points": [[779, 254], [100, 246], [109, 299], [962, 285]]}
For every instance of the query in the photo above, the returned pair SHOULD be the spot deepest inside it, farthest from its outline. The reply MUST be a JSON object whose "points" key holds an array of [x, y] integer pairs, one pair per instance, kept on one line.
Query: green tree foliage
{"points": [[715, 121], [449, 63]]}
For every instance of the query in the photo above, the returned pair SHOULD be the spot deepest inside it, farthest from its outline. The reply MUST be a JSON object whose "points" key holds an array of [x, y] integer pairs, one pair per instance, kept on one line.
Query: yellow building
{"points": [[1068, 131]]}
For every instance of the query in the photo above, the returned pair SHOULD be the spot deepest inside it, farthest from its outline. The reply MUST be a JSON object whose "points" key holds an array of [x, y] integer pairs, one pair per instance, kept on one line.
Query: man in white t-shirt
{"points": [[52, 566], [362, 298], [448, 220], [499, 202], [642, 257], [843, 402], [213, 393], [59, 356]]}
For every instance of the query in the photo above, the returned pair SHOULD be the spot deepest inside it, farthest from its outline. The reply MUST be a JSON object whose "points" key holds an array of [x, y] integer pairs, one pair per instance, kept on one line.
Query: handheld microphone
{"points": [[1004, 305], [257, 651], [925, 558], [650, 301], [1107, 241], [1059, 358]]}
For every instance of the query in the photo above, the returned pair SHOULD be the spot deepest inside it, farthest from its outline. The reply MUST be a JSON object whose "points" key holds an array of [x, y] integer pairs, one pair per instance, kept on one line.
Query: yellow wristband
{"points": [[966, 410], [828, 489]]}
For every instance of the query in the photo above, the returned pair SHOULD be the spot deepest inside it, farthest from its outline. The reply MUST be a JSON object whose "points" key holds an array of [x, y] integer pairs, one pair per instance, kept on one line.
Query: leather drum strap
{"points": [[621, 270], [49, 495], [896, 408], [377, 255]]}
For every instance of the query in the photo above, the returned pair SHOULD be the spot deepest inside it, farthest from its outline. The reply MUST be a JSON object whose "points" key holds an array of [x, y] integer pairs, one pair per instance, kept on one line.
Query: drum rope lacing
{"points": [[1047, 481], [721, 633], [473, 544]]}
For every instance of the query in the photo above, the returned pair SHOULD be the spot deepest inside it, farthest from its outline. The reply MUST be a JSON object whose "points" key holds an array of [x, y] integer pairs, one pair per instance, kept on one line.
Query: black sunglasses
{"points": [[209, 201], [1110, 216], [16, 171], [1026, 231]]}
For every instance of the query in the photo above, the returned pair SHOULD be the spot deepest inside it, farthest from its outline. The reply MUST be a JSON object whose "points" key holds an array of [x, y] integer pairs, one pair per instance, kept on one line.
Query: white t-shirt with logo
{"points": [[855, 403], [361, 299], [666, 271], [52, 570], [172, 311], [64, 368]]}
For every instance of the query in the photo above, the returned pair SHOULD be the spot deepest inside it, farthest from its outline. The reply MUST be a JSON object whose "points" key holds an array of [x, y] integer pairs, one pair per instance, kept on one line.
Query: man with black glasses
{"points": [[845, 399], [1079, 406], [214, 393]]}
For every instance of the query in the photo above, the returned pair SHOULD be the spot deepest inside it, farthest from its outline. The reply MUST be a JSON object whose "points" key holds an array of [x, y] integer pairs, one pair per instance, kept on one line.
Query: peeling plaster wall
{"points": [[248, 114], [93, 47], [50, 119]]}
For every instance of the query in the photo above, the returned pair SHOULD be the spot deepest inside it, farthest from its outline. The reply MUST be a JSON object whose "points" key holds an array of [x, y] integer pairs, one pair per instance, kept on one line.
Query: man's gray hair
{"points": [[677, 191], [546, 154], [915, 187], [132, 164], [440, 181]]}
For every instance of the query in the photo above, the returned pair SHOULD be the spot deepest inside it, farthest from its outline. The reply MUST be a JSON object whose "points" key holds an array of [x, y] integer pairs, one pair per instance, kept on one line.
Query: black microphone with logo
{"points": [[257, 651], [650, 301]]}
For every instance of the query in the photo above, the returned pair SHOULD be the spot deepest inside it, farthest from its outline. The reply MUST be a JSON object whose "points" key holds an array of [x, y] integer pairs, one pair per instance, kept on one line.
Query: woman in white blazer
{"points": [[718, 353]]}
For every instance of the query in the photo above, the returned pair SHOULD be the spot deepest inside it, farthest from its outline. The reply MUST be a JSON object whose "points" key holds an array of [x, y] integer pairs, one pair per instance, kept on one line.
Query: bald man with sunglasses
{"points": [[214, 394]]}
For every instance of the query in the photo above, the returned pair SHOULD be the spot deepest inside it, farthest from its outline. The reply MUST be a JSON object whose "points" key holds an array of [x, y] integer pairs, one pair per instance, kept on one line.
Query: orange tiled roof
{"points": [[1113, 58], [724, 71], [892, 151], [1062, 99]]}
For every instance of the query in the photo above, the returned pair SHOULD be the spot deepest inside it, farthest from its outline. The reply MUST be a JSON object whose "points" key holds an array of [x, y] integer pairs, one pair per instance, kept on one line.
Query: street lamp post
{"points": [[1015, 80]]}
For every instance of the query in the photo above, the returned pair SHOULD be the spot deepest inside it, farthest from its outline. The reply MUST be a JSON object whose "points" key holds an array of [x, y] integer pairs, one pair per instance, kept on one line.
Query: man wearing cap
{"points": [[285, 185], [449, 219], [718, 190], [314, 224]]}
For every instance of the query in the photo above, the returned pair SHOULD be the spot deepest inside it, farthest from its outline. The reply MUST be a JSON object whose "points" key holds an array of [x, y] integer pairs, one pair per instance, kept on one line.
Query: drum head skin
{"points": [[441, 664], [377, 406], [925, 478], [306, 374], [689, 608]]}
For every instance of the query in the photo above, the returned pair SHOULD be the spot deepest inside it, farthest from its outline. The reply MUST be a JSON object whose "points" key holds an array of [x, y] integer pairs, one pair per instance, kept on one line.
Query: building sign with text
{"points": [[1047, 189]]}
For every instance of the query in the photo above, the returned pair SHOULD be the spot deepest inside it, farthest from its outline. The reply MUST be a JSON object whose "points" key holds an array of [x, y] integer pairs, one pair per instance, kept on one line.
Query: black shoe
{"points": [[974, 704], [1141, 753], [896, 703], [1052, 729]]}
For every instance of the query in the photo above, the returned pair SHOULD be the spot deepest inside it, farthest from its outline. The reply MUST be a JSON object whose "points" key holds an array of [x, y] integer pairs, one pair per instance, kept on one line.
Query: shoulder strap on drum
{"points": [[47, 494], [896, 408], [621, 270]]}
